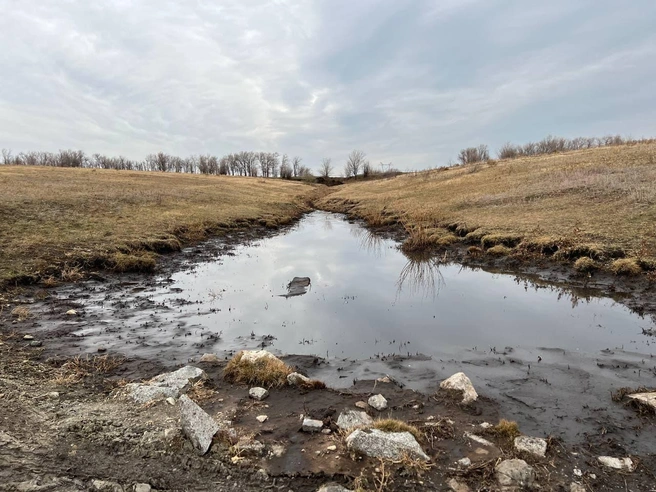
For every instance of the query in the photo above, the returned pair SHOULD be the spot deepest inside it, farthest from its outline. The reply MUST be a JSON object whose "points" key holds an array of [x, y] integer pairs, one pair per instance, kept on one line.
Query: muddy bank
{"points": [[86, 434]]}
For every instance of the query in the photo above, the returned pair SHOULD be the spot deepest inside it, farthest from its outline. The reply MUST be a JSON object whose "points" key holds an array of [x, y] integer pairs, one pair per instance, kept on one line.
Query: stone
{"points": [[486, 425], [378, 402], [36, 343], [463, 462], [647, 399], [351, 419], [296, 379], [617, 463], [211, 358], [142, 487], [457, 486], [533, 445], [577, 472], [326, 431], [331, 448], [262, 474], [515, 473], [253, 356], [478, 439], [181, 379], [28, 337], [171, 401], [577, 487], [361, 404], [277, 450], [196, 424], [262, 418], [53, 395], [106, 486], [461, 382], [311, 425], [164, 386], [144, 393], [386, 445], [258, 394], [333, 487], [71, 312], [249, 447]]}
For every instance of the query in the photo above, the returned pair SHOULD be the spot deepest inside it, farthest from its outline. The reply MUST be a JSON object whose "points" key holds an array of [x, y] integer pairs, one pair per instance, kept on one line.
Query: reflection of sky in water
{"points": [[355, 308]]}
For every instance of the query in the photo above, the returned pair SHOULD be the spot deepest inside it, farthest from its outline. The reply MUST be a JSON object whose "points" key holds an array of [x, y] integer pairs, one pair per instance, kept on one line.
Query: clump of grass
{"points": [[505, 429], [313, 384], [21, 313], [500, 250], [78, 368], [625, 266], [443, 239], [546, 245], [510, 240], [268, 372], [475, 236], [394, 425], [49, 282], [200, 392], [475, 251], [71, 274], [585, 264], [418, 240], [132, 262]]}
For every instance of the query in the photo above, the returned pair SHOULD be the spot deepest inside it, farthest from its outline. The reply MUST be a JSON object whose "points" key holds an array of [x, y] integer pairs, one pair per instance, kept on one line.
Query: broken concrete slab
{"points": [[311, 425], [167, 385], [617, 463], [196, 424], [387, 445], [533, 445], [515, 473], [461, 382]]}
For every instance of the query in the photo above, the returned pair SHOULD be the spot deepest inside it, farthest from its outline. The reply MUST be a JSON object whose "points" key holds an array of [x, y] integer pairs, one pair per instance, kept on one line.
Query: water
{"points": [[366, 299]]}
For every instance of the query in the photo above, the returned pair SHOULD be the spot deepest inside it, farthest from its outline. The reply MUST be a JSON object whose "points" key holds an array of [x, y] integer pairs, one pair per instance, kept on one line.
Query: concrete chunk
{"points": [[197, 425]]}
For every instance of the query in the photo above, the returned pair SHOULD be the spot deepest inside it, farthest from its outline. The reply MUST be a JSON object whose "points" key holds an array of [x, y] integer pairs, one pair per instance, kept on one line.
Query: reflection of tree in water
{"points": [[421, 274], [369, 241]]}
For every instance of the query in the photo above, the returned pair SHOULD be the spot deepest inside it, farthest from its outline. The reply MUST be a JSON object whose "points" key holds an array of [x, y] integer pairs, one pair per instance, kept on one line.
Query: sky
{"points": [[407, 82]]}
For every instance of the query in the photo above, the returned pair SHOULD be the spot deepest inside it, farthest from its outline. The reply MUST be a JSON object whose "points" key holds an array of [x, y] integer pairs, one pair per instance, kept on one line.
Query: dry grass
{"points": [[603, 196], [21, 313], [626, 266], [267, 372], [393, 425], [505, 430], [500, 250], [585, 264], [78, 368], [57, 222]]}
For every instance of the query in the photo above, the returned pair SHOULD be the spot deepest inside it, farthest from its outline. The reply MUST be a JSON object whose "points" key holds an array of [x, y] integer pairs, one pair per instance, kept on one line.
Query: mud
{"points": [[549, 391]]}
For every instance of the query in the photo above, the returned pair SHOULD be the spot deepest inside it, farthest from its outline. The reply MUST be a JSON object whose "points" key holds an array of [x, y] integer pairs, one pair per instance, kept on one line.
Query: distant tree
{"points": [[354, 163], [296, 166], [326, 167], [286, 171], [304, 172], [6, 156], [474, 154]]}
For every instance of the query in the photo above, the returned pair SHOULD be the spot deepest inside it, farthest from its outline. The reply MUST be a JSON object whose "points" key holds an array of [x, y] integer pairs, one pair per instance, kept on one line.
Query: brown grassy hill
{"points": [[54, 220], [598, 203]]}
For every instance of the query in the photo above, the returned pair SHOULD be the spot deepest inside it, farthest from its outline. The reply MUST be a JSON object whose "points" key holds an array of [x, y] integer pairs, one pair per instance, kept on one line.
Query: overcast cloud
{"points": [[410, 82]]}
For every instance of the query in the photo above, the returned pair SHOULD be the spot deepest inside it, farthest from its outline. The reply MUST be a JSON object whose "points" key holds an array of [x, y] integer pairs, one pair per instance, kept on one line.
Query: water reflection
{"points": [[372, 243], [298, 287], [421, 275]]}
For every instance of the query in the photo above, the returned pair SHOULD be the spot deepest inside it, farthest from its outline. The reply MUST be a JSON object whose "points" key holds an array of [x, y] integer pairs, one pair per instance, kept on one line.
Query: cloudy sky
{"points": [[410, 82]]}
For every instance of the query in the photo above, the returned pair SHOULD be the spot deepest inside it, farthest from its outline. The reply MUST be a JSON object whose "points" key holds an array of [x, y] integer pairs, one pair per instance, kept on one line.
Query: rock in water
{"points": [[311, 425], [297, 379], [461, 382], [297, 287], [534, 445], [197, 425], [350, 419], [71, 312], [378, 402], [209, 358], [617, 463], [387, 445], [515, 473], [258, 394]]}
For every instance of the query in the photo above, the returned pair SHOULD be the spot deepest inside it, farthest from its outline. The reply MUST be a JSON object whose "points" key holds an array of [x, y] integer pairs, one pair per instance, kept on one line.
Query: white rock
{"points": [[253, 356], [362, 405], [144, 392], [311, 425], [53, 395], [617, 463], [258, 394], [463, 462], [648, 399], [378, 402], [577, 487], [262, 418], [478, 439], [486, 425], [333, 487], [331, 448], [167, 385], [71, 312], [457, 486], [209, 358], [170, 401], [577, 472], [106, 486], [182, 379], [351, 419], [28, 337], [533, 445], [142, 487], [196, 424], [461, 382], [296, 379], [326, 431], [387, 445], [515, 473], [277, 450]]}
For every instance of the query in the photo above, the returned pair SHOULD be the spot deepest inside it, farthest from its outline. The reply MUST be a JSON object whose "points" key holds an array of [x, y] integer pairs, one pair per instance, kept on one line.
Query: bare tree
{"points": [[326, 167], [354, 163], [296, 166], [474, 154], [6, 156]]}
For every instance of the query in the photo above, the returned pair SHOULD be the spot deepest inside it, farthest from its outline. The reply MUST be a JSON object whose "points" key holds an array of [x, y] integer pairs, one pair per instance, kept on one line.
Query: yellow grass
{"points": [[267, 372], [58, 221], [604, 197]]}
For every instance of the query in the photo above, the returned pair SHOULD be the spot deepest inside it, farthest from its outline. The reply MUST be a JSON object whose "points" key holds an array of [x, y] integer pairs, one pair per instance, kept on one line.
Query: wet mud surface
{"points": [[543, 348]]}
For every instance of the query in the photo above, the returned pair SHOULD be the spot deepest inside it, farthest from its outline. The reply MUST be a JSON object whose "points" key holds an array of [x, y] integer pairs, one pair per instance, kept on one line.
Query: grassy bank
{"points": [[598, 204], [59, 221]]}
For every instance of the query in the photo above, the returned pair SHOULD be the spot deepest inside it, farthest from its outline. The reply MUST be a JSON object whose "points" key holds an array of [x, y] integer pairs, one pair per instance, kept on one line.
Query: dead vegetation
{"points": [[598, 203], [268, 372], [394, 425], [76, 369], [21, 313], [506, 431], [60, 222]]}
